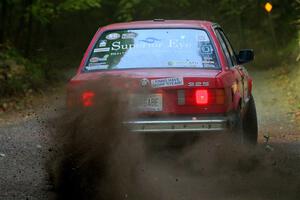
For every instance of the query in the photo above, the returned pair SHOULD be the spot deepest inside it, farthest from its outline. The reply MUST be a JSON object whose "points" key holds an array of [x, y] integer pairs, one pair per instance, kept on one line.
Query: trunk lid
{"points": [[166, 91]]}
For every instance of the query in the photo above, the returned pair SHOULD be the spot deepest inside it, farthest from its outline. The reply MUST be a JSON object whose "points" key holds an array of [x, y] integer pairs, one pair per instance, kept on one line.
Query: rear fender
{"points": [[237, 101], [250, 83]]}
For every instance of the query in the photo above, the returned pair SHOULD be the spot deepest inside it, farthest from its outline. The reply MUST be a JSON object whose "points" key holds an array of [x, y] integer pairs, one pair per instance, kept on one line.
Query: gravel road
{"points": [[25, 145]]}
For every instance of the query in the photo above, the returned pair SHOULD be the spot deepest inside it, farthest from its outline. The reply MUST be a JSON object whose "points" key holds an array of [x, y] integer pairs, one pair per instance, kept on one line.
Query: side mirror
{"points": [[245, 56]]}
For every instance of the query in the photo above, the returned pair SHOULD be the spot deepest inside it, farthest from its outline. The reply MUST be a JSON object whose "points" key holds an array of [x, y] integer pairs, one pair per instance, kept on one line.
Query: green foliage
{"points": [[43, 11], [18, 75], [126, 9], [78, 5]]}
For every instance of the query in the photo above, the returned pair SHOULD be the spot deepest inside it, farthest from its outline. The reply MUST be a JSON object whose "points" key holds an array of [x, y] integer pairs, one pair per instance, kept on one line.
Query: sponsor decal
{"points": [[97, 50], [208, 62], [180, 44], [113, 36], [94, 59], [203, 38], [207, 57], [119, 46], [171, 63], [144, 82], [185, 63], [94, 64], [166, 82], [206, 49], [150, 40], [129, 35], [102, 43], [96, 67], [104, 58], [208, 65], [117, 53]]}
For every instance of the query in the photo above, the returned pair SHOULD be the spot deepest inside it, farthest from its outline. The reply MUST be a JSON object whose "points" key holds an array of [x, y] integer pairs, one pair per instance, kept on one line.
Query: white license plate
{"points": [[147, 103]]}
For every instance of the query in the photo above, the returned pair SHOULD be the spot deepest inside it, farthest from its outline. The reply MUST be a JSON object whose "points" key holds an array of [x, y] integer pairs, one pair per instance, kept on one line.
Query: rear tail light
{"points": [[87, 98], [201, 97]]}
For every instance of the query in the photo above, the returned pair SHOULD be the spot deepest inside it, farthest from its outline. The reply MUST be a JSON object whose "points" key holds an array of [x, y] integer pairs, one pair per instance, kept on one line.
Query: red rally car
{"points": [[197, 82]]}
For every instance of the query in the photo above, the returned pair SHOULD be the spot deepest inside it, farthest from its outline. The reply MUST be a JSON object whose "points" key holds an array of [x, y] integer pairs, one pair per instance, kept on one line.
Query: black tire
{"points": [[250, 128]]}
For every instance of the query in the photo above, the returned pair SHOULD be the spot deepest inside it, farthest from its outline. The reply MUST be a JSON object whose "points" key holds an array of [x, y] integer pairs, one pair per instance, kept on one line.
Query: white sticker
{"points": [[102, 43], [113, 36], [95, 67], [208, 62], [128, 35], [166, 82], [190, 63], [97, 50]]}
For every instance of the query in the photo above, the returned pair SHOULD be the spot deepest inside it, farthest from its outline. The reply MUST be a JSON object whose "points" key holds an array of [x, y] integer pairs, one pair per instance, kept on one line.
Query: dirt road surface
{"points": [[25, 146]]}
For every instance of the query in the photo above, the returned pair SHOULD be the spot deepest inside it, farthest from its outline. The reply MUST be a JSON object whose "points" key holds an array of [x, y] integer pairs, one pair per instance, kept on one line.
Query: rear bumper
{"points": [[180, 125]]}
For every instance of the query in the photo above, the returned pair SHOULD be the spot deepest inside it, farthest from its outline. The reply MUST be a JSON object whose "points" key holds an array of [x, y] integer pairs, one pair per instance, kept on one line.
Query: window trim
{"points": [[225, 51], [229, 46]]}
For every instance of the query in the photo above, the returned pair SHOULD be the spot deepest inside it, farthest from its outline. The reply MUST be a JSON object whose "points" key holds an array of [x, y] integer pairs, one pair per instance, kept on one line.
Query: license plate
{"points": [[147, 103]]}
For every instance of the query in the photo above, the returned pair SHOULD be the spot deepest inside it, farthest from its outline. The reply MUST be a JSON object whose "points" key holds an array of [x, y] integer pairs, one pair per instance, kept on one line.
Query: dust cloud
{"points": [[96, 157]]}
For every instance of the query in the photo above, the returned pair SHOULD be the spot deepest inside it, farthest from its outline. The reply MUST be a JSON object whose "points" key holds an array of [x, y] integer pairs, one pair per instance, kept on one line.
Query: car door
{"points": [[240, 74]]}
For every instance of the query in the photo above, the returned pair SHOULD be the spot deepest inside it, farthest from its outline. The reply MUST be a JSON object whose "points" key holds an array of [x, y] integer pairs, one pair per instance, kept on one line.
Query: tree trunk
{"points": [[29, 31], [3, 20]]}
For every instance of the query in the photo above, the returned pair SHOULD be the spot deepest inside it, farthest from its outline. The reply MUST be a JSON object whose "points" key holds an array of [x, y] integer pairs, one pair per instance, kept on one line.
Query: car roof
{"points": [[160, 23]]}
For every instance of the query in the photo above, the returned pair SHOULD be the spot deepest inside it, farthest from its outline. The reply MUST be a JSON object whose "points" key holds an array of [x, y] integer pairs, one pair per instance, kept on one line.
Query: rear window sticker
{"points": [[117, 45], [166, 82], [94, 59], [113, 36], [104, 58], [99, 63], [208, 62], [117, 53], [208, 65], [102, 43], [129, 35], [203, 38], [188, 63], [206, 49], [96, 67], [207, 57], [150, 40], [171, 63], [97, 50], [179, 44]]}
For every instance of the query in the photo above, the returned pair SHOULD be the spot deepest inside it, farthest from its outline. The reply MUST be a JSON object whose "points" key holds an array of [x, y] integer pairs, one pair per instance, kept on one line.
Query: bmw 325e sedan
{"points": [[196, 81]]}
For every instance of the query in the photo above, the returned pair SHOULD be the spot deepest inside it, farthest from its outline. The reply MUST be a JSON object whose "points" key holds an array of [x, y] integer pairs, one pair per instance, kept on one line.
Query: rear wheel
{"points": [[246, 130], [250, 127]]}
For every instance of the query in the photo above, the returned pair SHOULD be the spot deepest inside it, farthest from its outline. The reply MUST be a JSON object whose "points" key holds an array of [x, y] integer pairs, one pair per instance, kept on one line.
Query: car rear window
{"points": [[153, 48]]}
